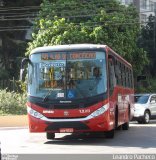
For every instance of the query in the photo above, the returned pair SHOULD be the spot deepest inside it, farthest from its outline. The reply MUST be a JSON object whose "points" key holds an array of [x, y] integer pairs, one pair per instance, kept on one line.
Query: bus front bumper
{"points": [[99, 120]]}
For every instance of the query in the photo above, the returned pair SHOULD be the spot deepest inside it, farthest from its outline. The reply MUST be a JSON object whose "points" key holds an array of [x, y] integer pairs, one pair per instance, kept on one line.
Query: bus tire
{"points": [[125, 126], [110, 134], [50, 135], [116, 119]]}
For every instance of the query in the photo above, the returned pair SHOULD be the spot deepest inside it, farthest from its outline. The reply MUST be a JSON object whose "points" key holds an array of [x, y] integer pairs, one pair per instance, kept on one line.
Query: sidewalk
{"points": [[14, 121]]}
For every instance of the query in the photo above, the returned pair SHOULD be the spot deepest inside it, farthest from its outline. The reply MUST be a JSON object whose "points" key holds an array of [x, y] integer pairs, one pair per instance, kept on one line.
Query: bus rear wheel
{"points": [[50, 135], [125, 126]]}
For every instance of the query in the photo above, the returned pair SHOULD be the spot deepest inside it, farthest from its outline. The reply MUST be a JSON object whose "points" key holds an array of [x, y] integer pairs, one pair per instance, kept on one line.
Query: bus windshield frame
{"points": [[67, 75]]}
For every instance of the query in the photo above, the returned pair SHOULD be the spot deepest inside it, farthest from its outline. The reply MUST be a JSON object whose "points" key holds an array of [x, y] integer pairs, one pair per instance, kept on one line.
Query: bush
{"points": [[12, 103]]}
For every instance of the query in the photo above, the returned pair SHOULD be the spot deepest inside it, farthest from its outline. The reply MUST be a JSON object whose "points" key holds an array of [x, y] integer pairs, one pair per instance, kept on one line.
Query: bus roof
{"points": [[76, 47], [121, 58], [67, 47]]}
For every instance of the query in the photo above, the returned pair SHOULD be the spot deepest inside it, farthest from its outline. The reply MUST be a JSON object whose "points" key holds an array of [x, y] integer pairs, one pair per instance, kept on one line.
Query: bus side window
{"points": [[128, 80], [112, 78], [117, 72], [131, 79], [123, 75], [127, 77]]}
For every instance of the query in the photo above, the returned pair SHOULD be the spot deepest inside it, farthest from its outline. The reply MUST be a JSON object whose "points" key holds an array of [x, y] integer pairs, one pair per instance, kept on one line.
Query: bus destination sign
{"points": [[70, 56]]}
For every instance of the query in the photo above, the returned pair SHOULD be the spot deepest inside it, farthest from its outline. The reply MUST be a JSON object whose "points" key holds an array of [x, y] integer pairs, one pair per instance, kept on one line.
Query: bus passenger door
{"points": [[112, 88], [112, 78]]}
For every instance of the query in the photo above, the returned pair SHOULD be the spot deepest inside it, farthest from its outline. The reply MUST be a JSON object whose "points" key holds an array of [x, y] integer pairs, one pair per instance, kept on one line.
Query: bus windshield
{"points": [[67, 75]]}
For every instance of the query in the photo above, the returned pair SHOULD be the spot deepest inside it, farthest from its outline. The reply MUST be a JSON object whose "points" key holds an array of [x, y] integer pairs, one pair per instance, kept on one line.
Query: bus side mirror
{"points": [[24, 61]]}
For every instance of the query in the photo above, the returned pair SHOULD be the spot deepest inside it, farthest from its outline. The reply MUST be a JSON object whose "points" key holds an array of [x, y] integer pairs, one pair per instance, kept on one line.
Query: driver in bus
{"points": [[98, 80], [96, 72]]}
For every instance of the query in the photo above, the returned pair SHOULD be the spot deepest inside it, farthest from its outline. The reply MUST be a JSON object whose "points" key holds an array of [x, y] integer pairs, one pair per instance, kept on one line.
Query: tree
{"points": [[96, 21], [148, 42], [13, 42]]}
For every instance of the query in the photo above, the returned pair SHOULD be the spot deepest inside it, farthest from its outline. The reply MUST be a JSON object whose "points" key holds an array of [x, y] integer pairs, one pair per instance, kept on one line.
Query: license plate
{"points": [[66, 130]]}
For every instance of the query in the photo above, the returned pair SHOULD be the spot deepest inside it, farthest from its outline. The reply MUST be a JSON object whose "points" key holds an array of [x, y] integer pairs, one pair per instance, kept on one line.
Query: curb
{"points": [[14, 121], [13, 128]]}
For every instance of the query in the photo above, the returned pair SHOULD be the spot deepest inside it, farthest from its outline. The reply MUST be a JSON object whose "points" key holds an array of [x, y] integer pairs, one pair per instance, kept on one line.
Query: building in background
{"points": [[145, 7], [126, 2]]}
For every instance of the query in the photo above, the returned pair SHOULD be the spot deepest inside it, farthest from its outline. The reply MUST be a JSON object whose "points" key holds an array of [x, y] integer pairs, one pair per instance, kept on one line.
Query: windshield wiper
{"points": [[45, 98]]}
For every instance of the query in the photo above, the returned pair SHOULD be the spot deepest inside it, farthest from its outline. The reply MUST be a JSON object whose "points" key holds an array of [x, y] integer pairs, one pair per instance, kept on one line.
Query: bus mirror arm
{"points": [[24, 61]]}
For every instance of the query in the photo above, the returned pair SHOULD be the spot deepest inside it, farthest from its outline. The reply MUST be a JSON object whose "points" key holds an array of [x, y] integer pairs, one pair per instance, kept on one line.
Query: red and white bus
{"points": [[78, 88]]}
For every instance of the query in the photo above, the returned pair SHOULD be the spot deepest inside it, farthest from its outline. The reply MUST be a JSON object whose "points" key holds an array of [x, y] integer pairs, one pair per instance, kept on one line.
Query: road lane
{"points": [[138, 139]]}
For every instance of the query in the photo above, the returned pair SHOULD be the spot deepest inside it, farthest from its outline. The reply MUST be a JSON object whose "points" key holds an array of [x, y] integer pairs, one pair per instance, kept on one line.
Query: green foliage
{"points": [[3, 74], [22, 86], [150, 88], [96, 21], [12, 103], [148, 42], [14, 41]]}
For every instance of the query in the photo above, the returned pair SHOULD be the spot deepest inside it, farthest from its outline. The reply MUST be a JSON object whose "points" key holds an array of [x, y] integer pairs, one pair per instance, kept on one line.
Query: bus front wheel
{"points": [[50, 135]]}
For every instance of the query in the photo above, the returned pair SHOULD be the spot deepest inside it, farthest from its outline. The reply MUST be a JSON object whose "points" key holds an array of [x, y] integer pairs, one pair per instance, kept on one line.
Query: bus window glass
{"points": [[117, 73], [70, 75]]}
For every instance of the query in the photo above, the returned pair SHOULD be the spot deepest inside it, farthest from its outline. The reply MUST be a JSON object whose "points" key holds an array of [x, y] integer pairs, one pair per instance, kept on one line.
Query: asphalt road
{"points": [[138, 139]]}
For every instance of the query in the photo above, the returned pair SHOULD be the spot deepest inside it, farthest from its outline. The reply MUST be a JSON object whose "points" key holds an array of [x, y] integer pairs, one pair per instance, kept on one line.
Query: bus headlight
{"points": [[100, 111], [34, 113]]}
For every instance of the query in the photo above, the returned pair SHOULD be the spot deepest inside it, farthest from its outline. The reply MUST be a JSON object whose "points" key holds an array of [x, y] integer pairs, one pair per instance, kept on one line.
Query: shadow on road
{"points": [[139, 135]]}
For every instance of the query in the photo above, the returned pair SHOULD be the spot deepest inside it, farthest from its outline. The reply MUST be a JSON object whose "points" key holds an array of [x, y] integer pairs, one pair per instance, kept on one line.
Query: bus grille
{"points": [[65, 117]]}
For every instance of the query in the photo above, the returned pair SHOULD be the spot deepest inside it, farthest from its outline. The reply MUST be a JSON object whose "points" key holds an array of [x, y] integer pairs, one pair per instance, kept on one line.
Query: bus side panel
{"points": [[120, 101], [36, 125]]}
